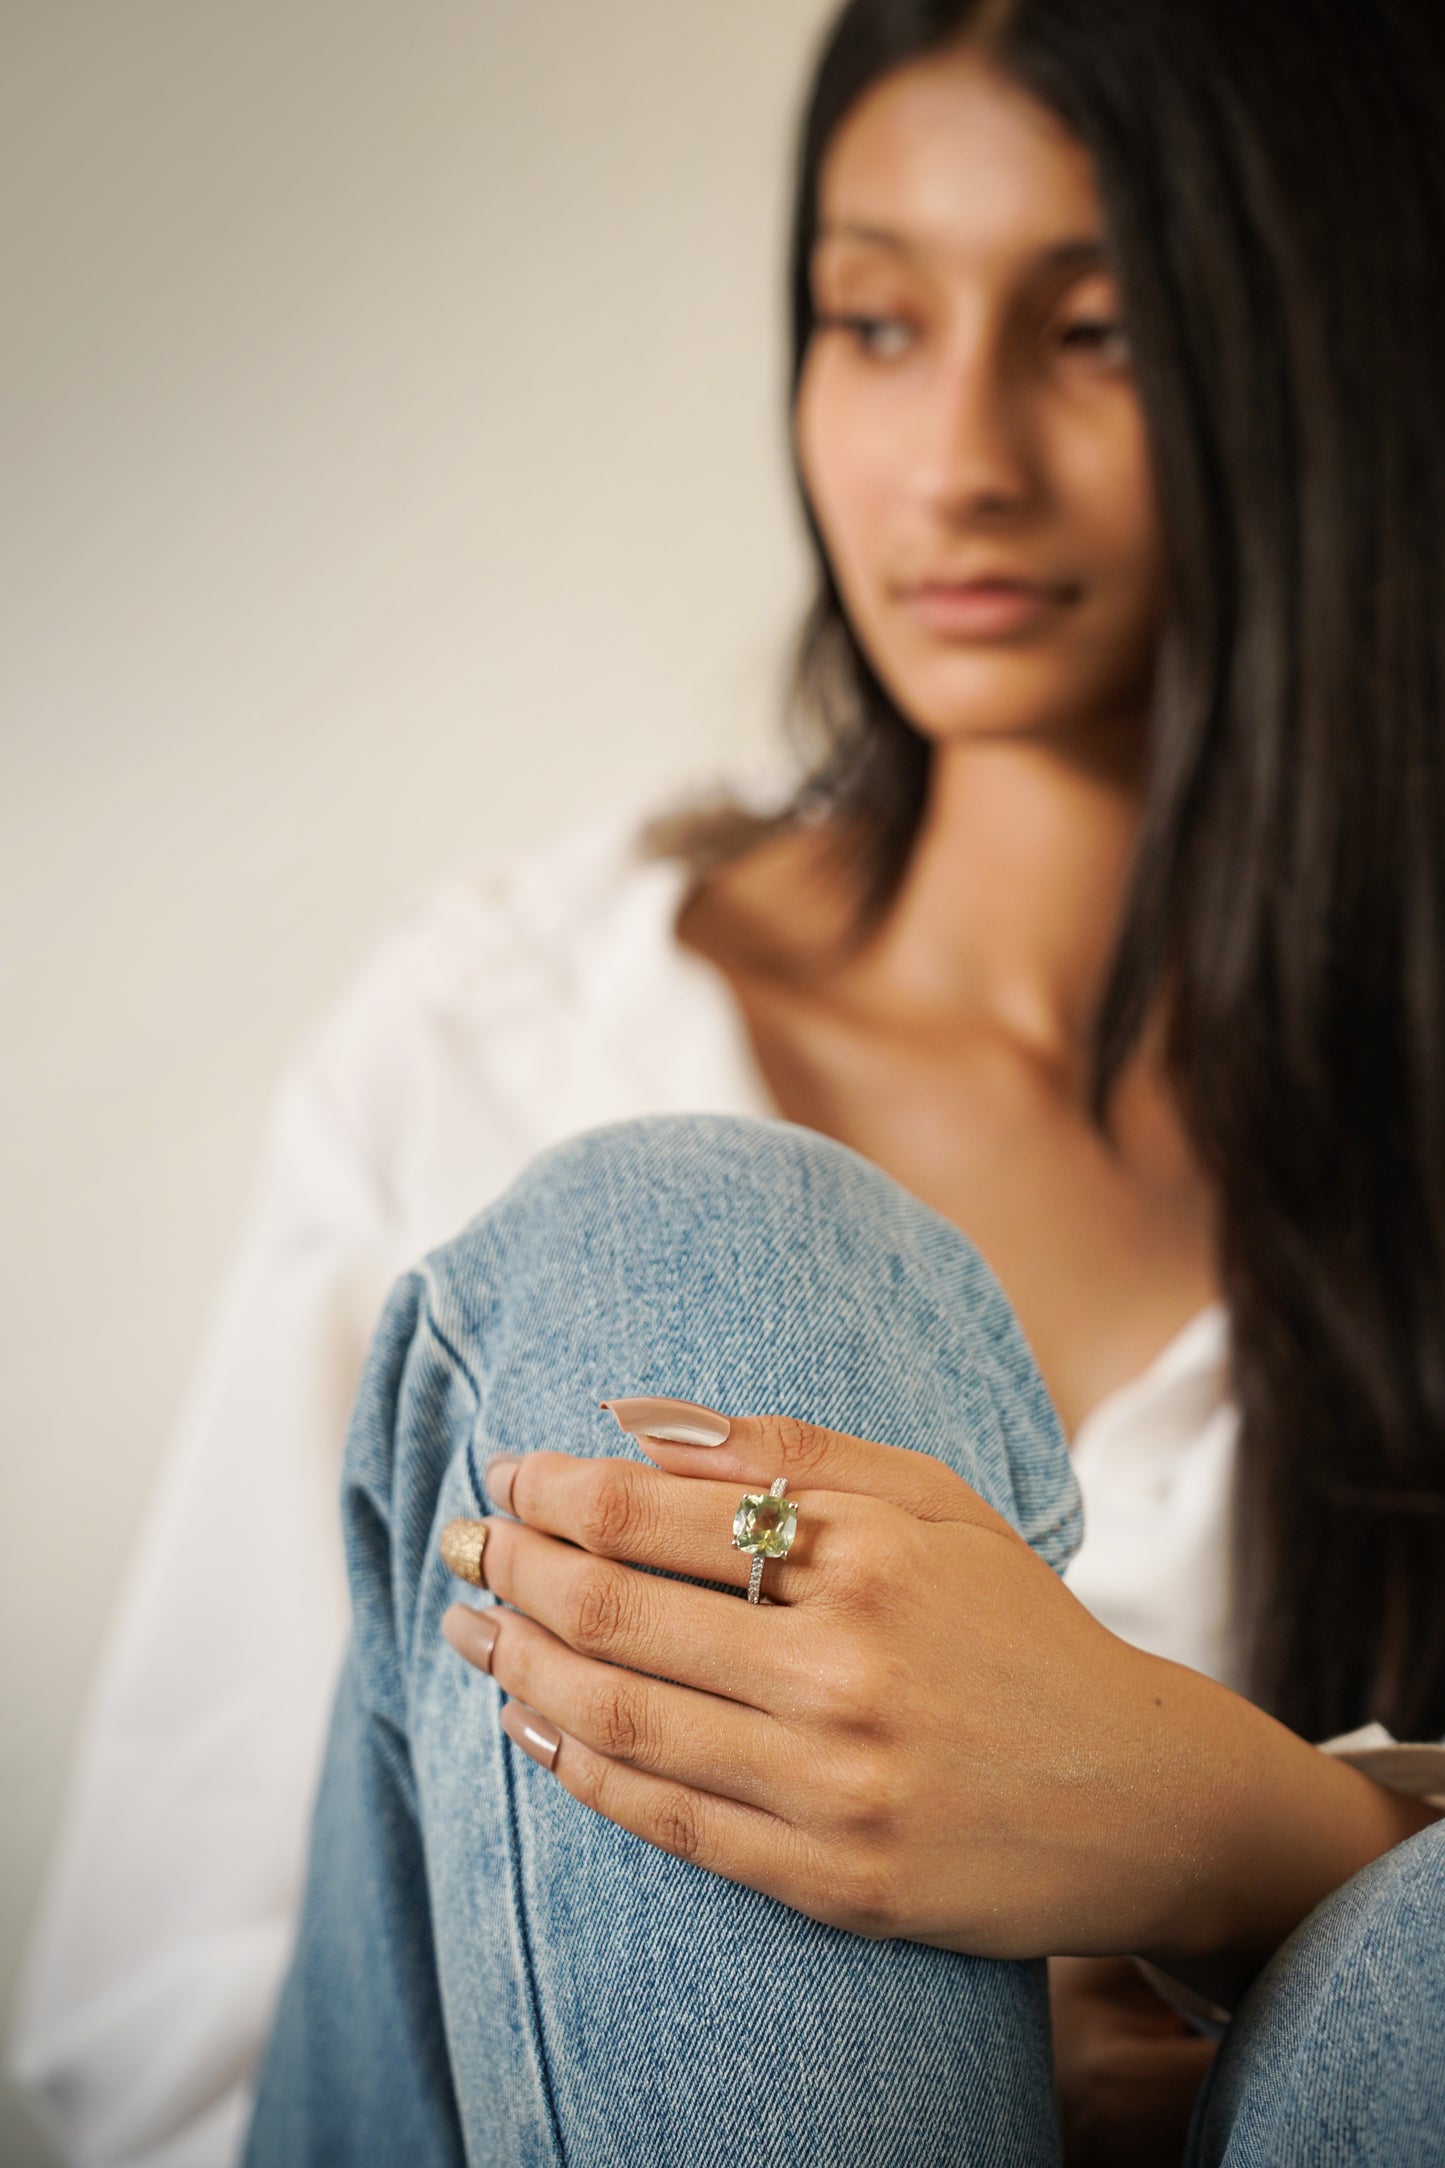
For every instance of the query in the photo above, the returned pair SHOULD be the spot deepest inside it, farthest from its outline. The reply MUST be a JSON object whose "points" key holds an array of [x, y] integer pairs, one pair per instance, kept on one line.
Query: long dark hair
{"points": [[1273, 183]]}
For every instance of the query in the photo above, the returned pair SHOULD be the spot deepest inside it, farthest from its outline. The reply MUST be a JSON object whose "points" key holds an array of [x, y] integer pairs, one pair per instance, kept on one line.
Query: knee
{"points": [[671, 1177], [753, 1266], [1378, 1936], [676, 1235], [1336, 2053], [770, 1217]]}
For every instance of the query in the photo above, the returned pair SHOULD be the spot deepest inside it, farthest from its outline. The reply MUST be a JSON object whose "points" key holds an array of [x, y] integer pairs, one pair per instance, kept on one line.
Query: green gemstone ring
{"points": [[765, 1524]]}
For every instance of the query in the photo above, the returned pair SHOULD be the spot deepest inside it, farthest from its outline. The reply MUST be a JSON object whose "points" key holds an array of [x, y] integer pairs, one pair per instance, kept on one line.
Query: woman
{"points": [[951, 1044], [1144, 842]]}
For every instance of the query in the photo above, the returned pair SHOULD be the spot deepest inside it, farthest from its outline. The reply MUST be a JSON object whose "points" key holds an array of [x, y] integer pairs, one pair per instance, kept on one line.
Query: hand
{"points": [[926, 1735], [1127, 2068]]}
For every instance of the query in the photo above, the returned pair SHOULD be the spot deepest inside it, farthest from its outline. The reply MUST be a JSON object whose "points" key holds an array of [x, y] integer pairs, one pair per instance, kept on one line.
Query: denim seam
{"points": [[455, 1355], [447, 1345], [527, 1966]]}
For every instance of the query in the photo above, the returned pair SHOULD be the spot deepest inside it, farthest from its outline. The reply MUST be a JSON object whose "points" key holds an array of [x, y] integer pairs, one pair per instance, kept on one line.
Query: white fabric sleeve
{"points": [[168, 1917]]}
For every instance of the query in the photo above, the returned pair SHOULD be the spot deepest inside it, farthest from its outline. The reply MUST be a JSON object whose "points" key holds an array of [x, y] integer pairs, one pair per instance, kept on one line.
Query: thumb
{"points": [[686, 1438]]}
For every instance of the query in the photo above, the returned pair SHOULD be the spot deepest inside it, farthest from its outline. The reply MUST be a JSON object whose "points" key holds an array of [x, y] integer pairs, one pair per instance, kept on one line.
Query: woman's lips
{"points": [[985, 610]]}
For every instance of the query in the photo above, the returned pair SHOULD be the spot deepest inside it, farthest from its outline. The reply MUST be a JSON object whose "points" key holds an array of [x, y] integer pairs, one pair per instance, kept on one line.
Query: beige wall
{"points": [[390, 424]]}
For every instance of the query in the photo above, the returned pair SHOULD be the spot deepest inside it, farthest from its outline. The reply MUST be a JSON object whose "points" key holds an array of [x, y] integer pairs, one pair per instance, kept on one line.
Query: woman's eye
{"points": [[884, 338], [1098, 334]]}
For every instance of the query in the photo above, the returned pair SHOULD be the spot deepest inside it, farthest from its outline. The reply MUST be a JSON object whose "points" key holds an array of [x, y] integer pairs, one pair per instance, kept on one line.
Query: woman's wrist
{"points": [[1267, 1826]]}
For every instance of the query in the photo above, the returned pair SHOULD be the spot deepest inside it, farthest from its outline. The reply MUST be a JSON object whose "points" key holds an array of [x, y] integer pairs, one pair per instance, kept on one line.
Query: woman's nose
{"points": [[972, 446]]}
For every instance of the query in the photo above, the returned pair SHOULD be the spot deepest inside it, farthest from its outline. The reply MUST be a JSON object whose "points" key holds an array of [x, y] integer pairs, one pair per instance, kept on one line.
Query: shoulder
{"points": [[497, 921], [509, 948], [555, 923], [522, 996]]}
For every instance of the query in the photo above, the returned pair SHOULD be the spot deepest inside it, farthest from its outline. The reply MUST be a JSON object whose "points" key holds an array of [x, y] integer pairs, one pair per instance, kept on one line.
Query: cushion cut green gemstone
{"points": [[765, 1524]]}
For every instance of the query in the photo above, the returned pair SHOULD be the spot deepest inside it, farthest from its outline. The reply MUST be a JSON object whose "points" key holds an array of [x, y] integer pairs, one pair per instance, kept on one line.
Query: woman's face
{"points": [[967, 409]]}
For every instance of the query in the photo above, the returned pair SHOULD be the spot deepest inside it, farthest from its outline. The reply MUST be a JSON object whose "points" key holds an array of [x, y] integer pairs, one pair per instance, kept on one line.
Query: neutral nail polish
{"points": [[462, 1545], [473, 1634], [676, 1422], [533, 1734], [497, 1475]]}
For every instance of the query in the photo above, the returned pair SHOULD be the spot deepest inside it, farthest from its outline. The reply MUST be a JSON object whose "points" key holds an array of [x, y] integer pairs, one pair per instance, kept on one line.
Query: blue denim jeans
{"points": [[485, 1971]]}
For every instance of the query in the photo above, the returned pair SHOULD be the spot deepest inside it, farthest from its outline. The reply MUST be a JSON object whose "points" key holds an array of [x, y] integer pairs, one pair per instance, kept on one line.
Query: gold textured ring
{"points": [[462, 1545], [765, 1524]]}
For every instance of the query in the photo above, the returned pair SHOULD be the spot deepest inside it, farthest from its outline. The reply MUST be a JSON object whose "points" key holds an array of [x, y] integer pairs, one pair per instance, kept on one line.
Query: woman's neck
{"points": [[1009, 909]]}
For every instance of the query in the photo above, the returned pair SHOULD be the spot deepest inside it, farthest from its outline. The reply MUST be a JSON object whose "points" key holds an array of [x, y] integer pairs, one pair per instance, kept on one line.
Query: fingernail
{"points": [[472, 1634], [462, 1545], [676, 1422], [533, 1734], [497, 1475]]}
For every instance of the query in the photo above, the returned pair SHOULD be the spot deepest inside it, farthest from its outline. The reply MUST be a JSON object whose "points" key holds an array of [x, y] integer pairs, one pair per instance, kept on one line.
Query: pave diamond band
{"points": [[765, 1524]]}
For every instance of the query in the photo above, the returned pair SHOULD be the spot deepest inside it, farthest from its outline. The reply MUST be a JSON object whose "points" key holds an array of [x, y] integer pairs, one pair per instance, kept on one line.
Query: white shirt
{"points": [[519, 1002]]}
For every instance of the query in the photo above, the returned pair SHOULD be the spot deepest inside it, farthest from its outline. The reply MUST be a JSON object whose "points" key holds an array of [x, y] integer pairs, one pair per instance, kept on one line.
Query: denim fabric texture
{"points": [[487, 1972], [1336, 2058]]}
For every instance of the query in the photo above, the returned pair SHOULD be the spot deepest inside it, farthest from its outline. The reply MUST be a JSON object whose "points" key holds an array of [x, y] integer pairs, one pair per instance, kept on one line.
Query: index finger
{"points": [[757, 1449]]}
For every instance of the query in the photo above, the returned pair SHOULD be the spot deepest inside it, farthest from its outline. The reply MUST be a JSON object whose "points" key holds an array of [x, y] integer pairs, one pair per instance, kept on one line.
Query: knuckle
{"points": [[596, 1611], [852, 1687], [802, 1447], [881, 1563], [610, 1518], [844, 1560], [677, 1828], [870, 1896], [615, 1718], [864, 1802], [864, 1559]]}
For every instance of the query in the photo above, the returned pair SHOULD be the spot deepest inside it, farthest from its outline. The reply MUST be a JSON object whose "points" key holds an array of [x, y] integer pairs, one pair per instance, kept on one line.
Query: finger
{"points": [[759, 1448], [1116, 1986], [669, 1629], [739, 1842], [1165, 2063], [1146, 2089], [696, 1739], [623, 1509]]}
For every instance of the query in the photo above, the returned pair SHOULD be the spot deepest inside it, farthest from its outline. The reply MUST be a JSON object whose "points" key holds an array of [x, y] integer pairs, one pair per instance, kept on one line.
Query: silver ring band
{"points": [[764, 1529]]}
